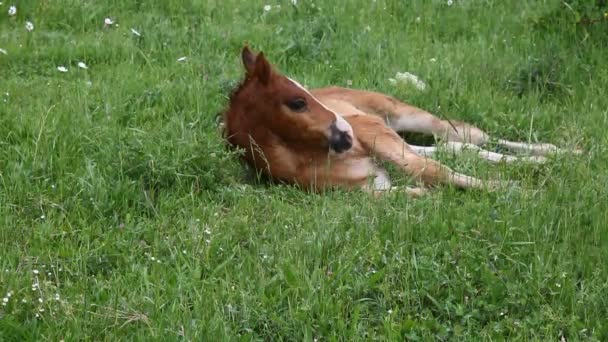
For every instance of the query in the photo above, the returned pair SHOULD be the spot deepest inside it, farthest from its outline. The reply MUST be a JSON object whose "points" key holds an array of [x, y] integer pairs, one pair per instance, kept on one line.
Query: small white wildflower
{"points": [[267, 8], [5, 300], [390, 311], [36, 271], [450, 2], [135, 32], [57, 296], [406, 77], [48, 274], [24, 300], [152, 258], [158, 261], [294, 2], [42, 217], [82, 65], [182, 59], [184, 251], [12, 11], [61, 68], [208, 241], [29, 26], [207, 231], [108, 22], [37, 316], [558, 285], [9, 294], [2, 51], [433, 60], [41, 309], [40, 300]]}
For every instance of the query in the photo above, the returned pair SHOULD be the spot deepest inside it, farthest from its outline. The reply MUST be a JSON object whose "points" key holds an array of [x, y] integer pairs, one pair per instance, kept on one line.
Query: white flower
{"points": [[417, 19], [29, 26], [12, 11], [349, 82], [61, 68], [406, 77], [82, 65], [433, 60], [2, 51], [182, 59], [5, 300], [450, 2], [294, 2], [267, 8], [35, 271], [135, 32], [108, 22]]}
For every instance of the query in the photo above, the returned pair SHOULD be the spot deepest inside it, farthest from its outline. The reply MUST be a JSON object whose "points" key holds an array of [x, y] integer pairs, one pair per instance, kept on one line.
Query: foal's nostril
{"points": [[339, 141]]}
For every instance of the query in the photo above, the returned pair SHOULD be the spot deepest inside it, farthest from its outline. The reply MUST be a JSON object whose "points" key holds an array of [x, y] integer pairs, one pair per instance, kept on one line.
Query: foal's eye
{"points": [[297, 105]]}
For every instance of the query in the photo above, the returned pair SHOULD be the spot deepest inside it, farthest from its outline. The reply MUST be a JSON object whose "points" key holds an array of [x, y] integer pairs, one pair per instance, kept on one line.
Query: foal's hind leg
{"points": [[459, 147], [405, 118]]}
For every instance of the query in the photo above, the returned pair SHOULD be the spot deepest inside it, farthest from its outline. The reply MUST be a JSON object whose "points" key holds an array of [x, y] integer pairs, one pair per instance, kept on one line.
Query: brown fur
{"points": [[295, 147]]}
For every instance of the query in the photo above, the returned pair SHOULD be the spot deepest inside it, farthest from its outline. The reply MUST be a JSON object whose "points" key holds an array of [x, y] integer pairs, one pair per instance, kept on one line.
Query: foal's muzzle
{"points": [[339, 141]]}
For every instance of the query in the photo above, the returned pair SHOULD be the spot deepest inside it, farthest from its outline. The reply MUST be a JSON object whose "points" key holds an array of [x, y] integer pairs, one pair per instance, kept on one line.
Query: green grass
{"points": [[124, 214]]}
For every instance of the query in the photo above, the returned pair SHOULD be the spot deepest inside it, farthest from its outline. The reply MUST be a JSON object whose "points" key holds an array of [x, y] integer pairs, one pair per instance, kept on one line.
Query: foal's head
{"points": [[287, 109]]}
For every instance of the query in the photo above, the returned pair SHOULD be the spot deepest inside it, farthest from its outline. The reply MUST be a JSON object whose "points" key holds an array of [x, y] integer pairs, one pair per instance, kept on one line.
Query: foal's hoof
{"points": [[534, 159], [494, 185], [413, 192], [416, 192]]}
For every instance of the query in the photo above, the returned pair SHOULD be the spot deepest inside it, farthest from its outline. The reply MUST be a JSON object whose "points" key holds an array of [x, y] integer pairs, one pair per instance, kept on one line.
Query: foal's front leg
{"points": [[381, 140]]}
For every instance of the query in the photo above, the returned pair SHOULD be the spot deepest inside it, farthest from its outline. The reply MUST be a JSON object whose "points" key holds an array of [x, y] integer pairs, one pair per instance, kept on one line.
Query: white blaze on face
{"points": [[341, 124]]}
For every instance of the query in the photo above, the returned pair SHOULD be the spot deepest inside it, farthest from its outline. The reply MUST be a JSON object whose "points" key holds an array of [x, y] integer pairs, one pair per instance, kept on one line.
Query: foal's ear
{"points": [[248, 59], [262, 68]]}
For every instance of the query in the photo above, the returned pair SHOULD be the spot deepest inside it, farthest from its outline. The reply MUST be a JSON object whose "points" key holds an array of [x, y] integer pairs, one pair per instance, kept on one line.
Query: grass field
{"points": [[123, 216]]}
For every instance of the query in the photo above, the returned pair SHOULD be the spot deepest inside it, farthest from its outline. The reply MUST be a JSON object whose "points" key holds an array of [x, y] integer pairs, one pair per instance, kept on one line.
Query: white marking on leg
{"points": [[458, 148], [425, 151], [382, 182]]}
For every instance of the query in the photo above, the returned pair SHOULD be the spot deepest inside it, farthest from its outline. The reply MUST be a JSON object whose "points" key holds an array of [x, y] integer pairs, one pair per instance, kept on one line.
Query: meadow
{"points": [[124, 217]]}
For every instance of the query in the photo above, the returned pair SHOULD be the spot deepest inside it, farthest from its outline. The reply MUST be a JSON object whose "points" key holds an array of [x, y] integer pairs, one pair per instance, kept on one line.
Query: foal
{"points": [[327, 137]]}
